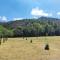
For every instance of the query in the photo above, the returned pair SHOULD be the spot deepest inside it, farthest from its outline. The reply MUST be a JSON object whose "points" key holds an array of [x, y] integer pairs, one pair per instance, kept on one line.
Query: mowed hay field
{"points": [[22, 49]]}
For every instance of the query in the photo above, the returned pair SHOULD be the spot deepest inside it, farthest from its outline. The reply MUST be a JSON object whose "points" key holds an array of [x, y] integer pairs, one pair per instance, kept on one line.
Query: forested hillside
{"points": [[31, 27]]}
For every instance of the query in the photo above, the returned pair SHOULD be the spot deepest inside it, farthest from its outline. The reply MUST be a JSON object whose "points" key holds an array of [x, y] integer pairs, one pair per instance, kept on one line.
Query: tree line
{"points": [[31, 28]]}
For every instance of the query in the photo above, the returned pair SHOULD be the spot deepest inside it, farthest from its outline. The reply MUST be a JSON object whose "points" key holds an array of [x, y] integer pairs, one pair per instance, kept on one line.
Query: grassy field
{"points": [[22, 49]]}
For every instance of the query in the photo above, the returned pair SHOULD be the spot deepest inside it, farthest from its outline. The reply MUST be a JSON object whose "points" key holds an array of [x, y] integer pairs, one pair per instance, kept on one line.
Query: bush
{"points": [[30, 41], [26, 38], [47, 47]]}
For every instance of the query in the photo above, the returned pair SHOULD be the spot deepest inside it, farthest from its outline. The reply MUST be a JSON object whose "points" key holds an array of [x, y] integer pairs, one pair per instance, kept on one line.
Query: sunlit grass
{"points": [[22, 49]]}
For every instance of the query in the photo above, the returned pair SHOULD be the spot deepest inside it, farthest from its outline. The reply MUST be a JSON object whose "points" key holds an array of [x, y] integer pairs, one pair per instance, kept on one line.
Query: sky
{"points": [[20, 9]]}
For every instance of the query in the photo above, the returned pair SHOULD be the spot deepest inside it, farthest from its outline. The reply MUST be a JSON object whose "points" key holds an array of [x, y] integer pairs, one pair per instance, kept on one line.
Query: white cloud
{"points": [[39, 12], [17, 19], [3, 19], [58, 13], [35, 17]]}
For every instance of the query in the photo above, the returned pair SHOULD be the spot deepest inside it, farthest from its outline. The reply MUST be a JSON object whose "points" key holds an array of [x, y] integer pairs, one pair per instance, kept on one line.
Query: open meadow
{"points": [[24, 49]]}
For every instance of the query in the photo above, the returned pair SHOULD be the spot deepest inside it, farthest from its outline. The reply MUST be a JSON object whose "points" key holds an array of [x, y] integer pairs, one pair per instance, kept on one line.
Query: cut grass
{"points": [[22, 49]]}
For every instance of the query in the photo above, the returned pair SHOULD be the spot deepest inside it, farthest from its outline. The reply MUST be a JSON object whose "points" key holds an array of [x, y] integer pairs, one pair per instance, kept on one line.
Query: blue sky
{"points": [[18, 9]]}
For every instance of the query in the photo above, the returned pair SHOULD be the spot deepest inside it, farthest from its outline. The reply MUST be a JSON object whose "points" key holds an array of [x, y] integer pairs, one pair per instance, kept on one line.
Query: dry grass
{"points": [[22, 49]]}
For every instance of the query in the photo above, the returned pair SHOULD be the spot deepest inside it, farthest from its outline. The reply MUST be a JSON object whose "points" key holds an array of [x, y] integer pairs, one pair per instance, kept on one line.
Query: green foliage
{"points": [[31, 27]]}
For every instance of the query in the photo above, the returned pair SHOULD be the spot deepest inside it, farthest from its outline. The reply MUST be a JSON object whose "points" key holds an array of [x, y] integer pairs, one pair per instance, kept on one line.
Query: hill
{"points": [[25, 22], [33, 27]]}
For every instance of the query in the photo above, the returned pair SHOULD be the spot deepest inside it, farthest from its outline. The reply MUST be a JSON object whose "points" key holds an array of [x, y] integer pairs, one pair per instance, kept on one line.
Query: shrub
{"points": [[26, 38], [30, 41], [47, 47]]}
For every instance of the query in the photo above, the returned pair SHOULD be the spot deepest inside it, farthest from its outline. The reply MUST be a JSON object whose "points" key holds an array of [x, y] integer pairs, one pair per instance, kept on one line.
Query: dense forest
{"points": [[43, 26]]}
